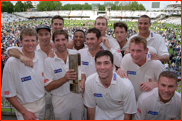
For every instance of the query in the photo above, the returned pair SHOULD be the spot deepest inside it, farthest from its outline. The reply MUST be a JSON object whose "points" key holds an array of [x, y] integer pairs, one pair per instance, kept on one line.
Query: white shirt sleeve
{"points": [[89, 100], [117, 56], [13, 47], [48, 73], [8, 83], [162, 47]]}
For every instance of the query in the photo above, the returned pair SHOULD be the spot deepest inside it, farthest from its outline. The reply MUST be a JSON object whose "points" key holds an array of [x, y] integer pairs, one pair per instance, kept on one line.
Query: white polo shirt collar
{"points": [[151, 36], [113, 81]]}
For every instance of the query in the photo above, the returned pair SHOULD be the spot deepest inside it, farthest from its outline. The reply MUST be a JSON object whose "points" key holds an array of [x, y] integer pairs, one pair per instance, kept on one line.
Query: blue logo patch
{"points": [[58, 70], [152, 34], [23, 79], [131, 72], [149, 56], [153, 113], [114, 77], [97, 95], [101, 48], [85, 63]]}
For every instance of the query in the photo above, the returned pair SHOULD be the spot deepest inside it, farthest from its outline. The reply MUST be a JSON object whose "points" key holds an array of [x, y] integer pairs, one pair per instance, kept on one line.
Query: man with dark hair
{"points": [[154, 40], [57, 80], [107, 96], [79, 39], [57, 23], [121, 31], [141, 70], [93, 40], [101, 24], [24, 88], [163, 102]]}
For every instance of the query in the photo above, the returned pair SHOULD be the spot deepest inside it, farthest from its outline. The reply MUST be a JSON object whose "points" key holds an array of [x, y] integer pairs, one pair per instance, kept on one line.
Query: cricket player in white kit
{"points": [[141, 70], [57, 76], [22, 85], [163, 102], [107, 96]]}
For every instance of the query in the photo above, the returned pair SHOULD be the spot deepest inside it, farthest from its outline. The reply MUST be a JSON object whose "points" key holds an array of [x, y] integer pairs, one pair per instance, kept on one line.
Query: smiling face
{"points": [[104, 67], [79, 39], [57, 24], [92, 41], [60, 43], [28, 43], [138, 53], [143, 25], [44, 37], [166, 88]]}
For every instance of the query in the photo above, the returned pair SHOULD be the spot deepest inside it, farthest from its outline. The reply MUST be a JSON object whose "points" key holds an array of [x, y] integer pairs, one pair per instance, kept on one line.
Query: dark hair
{"points": [[57, 17], [96, 31], [101, 17], [121, 25], [29, 32], [169, 74], [58, 32], [145, 16], [104, 53], [138, 40], [79, 30]]}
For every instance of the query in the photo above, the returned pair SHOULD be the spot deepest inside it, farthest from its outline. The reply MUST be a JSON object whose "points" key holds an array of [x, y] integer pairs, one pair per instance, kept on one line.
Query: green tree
{"points": [[86, 6], [19, 6], [101, 7], [28, 4], [49, 5], [7, 6]]}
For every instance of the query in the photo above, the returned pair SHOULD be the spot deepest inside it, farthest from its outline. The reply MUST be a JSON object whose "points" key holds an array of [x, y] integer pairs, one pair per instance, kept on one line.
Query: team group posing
{"points": [[122, 78]]}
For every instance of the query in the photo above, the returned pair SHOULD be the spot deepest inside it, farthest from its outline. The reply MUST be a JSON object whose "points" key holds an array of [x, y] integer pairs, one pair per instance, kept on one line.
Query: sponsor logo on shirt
{"points": [[138, 110], [58, 70], [131, 72], [85, 63], [42, 73], [114, 77], [97, 95], [152, 34], [118, 51], [46, 80], [6, 92], [149, 56], [152, 113], [119, 102], [101, 48], [23, 79]]}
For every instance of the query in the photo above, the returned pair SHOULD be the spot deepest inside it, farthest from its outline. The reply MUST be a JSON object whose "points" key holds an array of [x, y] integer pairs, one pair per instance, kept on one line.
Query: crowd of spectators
{"points": [[10, 32]]}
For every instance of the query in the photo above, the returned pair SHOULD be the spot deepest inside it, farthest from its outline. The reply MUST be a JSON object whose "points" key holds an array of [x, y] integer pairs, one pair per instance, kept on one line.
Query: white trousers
{"points": [[37, 107], [68, 105]]}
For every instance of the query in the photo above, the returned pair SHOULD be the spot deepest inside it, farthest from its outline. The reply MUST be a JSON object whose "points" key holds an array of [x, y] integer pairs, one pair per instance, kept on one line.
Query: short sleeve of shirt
{"points": [[129, 101], [89, 100], [13, 47], [8, 83], [48, 73]]}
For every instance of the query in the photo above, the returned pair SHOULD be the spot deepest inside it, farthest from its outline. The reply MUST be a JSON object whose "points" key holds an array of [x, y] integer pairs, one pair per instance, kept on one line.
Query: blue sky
{"points": [[147, 4]]}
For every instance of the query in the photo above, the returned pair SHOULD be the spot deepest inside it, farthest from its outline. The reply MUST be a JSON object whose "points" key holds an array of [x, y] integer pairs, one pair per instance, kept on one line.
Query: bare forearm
{"points": [[164, 58], [15, 53], [17, 104], [90, 113], [127, 116], [55, 84]]}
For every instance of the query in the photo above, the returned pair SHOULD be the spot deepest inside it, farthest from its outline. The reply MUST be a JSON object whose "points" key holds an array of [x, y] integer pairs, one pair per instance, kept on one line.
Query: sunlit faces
{"points": [[57, 25], [138, 53], [143, 25], [44, 37], [104, 67], [120, 34], [101, 25], [29, 43], [79, 39], [92, 41], [60, 43], [166, 88]]}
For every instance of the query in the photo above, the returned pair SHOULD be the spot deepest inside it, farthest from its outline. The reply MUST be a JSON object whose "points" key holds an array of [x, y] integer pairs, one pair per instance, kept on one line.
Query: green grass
{"points": [[7, 110]]}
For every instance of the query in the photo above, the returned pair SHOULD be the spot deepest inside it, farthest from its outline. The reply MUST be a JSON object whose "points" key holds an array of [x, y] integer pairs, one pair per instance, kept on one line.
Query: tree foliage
{"points": [[49, 5], [28, 4], [6, 6]]}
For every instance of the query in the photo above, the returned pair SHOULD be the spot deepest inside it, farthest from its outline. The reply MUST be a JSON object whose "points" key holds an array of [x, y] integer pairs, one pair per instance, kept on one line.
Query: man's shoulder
{"points": [[92, 78], [147, 96], [84, 50], [132, 36]]}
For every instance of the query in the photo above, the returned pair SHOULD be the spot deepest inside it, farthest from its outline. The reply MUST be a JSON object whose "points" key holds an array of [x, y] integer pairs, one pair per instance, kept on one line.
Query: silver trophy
{"points": [[75, 63]]}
